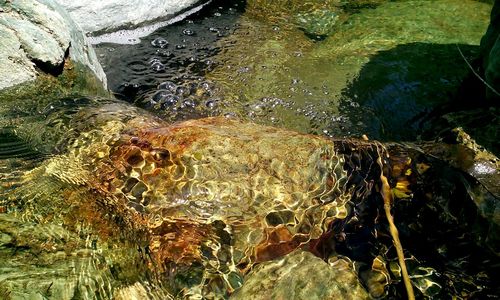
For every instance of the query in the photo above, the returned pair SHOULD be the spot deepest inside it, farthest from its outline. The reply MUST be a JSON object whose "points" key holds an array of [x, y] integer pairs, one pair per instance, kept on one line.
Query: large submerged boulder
{"points": [[377, 70], [39, 37]]}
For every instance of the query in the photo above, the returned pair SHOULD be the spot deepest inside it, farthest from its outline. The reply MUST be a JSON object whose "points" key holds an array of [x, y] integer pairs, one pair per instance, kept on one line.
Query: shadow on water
{"points": [[397, 89]]}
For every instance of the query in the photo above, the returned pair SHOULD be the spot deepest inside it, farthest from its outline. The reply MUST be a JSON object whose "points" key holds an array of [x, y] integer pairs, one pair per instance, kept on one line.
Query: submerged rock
{"points": [[189, 209], [301, 275], [490, 54], [203, 202], [38, 37], [317, 24]]}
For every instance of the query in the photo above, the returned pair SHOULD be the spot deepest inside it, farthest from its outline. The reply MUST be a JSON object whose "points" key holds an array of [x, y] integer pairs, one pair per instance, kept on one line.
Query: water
{"points": [[166, 71], [103, 200], [263, 64]]}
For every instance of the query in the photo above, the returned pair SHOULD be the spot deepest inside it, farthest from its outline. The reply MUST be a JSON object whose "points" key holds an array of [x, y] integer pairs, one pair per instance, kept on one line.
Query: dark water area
{"points": [[398, 89], [166, 71]]}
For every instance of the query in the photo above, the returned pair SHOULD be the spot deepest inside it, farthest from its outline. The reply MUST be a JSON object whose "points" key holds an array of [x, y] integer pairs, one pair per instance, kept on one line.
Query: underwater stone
{"points": [[223, 198], [318, 23], [380, 67], [301, 275]]}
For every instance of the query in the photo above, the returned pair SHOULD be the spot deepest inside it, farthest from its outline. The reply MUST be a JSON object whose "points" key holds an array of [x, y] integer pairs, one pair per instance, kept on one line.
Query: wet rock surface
{"points": [[38, 37], [47, 261], [190, 208], [301, 275]]}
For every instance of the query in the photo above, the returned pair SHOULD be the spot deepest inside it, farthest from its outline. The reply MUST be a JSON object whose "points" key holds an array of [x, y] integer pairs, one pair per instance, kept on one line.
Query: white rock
{"points": [[97, 15], [15, 66], [40, 33], [37, 43], [134, 35]]}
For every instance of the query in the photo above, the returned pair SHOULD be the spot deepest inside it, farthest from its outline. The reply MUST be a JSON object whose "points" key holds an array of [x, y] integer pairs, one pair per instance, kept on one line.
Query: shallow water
{"points": [[379, 70], [336, 68]]}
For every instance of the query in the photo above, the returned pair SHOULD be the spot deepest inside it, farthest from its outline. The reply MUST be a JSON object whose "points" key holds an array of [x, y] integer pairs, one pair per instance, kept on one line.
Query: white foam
{"points": [[133, 36]]}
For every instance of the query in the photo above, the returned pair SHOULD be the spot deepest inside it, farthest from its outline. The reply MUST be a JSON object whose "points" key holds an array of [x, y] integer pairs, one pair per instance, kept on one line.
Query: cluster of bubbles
{"points": [[181, 101], [181, 53], [266, 106]]}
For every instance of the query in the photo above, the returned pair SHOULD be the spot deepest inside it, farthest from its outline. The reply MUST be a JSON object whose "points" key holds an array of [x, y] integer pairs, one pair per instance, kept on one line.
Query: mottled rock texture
{"points": [[301, 275]]}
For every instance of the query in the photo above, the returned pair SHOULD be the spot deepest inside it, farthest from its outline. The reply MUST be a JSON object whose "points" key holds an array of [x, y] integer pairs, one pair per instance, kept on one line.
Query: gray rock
{"points": [[37, 43], [94, 15], [301, 275], [15, 66], [37, 36]]}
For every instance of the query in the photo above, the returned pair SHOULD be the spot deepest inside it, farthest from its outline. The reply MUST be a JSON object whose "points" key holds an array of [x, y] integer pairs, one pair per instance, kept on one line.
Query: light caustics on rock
{"points": [[207, 198]]}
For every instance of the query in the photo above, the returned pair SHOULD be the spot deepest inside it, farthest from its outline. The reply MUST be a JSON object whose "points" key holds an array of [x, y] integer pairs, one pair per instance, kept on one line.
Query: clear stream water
{"points": [[364, 68], [331, 68]]}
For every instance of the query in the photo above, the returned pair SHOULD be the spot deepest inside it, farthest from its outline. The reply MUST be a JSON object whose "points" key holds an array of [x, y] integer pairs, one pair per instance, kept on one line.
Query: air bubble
{"points": [[210, 104], [188, 32], [168, 85], [164, 53], [158, 66], [182, 91], [159, 96], [189, 103], [169, 100], [206, 86], [159, 42]]}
